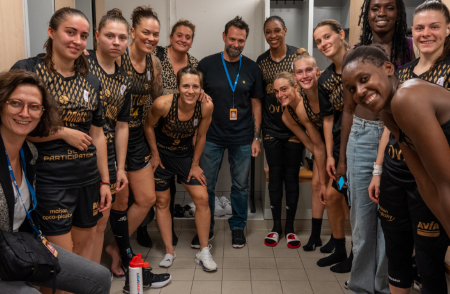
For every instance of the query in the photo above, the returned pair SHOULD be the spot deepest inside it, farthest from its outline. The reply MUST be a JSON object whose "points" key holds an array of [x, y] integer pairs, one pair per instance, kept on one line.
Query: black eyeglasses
{"points": [[16, 106]]}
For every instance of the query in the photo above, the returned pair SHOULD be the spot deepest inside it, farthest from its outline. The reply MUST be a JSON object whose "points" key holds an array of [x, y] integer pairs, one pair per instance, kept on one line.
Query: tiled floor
{"points": [[255, 268]]}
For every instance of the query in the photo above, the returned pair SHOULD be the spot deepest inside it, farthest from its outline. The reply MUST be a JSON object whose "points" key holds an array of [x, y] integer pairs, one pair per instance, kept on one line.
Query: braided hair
{"points": [[400, 51]]}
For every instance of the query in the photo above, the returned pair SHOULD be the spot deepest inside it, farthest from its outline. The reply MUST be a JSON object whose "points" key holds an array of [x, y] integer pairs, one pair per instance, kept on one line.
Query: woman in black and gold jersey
{"points": [[417, 112], [173, 58], [329, 38], [398, 186], [72, 170], [306, 73], [178, 117], [284, 151], [144, 69]]}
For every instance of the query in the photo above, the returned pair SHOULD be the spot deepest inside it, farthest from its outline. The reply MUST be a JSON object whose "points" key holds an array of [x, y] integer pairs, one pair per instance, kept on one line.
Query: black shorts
{"points": [[403, 209], [174, 166], [59, 209], [138, 156]]}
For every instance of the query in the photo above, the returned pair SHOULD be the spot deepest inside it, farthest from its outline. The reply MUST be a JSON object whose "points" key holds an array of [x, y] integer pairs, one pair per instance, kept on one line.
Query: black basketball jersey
{"points": [[174, 137], [116, 103], [78, 97], [331, 101], [140, 95], [294, 116], [313, 117], [394, 163], [272, 110]]}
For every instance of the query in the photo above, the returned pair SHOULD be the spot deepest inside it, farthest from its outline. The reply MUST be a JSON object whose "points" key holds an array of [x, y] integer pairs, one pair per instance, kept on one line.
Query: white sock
{"points": [[168, 260]]}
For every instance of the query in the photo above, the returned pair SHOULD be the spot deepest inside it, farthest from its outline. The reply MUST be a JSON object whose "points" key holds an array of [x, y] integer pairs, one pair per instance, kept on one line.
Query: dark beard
{"points": [[233, 52]]}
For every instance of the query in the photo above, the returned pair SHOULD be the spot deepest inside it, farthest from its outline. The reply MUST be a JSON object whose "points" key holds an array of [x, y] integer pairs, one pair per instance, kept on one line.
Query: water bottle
{"points": [[135, 272]]}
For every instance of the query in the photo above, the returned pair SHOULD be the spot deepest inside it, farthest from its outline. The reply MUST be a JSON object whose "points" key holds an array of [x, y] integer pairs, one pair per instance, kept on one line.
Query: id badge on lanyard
{"points": [[233, 110]]}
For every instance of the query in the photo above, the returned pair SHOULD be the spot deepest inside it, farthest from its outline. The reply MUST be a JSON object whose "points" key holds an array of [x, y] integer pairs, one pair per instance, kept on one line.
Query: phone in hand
{"points": [[341, 182]]}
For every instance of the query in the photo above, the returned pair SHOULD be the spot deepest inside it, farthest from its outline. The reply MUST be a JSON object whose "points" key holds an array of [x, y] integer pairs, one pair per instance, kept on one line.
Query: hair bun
{"points": [[114, 12], [301, 51]]}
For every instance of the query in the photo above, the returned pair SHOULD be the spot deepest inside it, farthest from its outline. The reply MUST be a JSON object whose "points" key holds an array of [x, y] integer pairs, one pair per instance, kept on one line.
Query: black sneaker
{"points": [[346, 284], [143, 238], [196, 242], [238, 238], [150, 280]]}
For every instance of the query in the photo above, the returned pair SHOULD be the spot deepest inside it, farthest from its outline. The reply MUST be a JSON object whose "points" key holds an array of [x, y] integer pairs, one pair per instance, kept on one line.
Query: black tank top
{"points": [[405, 140], [394, 163], [315, 118], [272, 110], [294, 115], [140, 95], [174, 137]]}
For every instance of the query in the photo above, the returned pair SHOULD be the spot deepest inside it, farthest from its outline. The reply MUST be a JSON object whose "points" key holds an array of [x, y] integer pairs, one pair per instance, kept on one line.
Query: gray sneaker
{"points": [[226, 204], [218, 208]]}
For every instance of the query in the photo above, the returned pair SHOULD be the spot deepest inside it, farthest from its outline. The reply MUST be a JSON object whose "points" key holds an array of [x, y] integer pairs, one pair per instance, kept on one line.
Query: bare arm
{"points": [[196, 171], [257, 116], [99, 140], [121, 145], [329, 144], [157, 85], [374, 187], [297, 130], [73, 137]]}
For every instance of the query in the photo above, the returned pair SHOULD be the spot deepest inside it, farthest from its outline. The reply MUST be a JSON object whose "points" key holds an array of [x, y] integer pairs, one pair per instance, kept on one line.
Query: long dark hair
{"points": [[400, 51], [58, 17], [436, 5]]}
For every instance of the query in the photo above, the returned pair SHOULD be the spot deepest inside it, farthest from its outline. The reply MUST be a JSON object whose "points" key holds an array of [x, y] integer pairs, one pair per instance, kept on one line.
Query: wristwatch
{"points": [[258, 139]]}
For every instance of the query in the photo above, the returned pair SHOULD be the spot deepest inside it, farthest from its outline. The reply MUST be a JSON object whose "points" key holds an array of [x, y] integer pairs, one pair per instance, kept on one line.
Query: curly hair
{"points": [[184, 23], [50, 119], [400, 51]]}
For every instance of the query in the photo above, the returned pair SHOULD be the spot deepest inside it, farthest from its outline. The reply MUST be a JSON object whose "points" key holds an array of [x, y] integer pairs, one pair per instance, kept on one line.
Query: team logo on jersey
{"points": [[428, 229], [122, 89], [86, 96], [195, 122], [148, 75], [440, 82]]}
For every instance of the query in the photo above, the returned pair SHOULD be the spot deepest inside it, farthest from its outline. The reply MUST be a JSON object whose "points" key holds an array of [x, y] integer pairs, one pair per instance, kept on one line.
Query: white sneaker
{"points": [[168, 260], [205, 259], [218, 208], [192, 209], [226, 204]]}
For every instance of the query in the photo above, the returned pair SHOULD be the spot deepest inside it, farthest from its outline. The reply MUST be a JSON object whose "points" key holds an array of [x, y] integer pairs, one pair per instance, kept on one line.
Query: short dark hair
{"points": [[374, 54], [239, 23], [275, 18], [189, 69], [50, 119]]}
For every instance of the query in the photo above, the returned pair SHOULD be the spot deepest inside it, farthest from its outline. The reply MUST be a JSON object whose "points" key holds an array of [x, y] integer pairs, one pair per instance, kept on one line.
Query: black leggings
{"points": [[284, 158]]}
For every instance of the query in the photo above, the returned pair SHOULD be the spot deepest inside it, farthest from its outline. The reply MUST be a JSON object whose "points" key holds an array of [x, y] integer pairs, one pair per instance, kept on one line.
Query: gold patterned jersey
{"points": [[313, 117], [140, 95], [169, 77], [294, 115], [331, 101], [116, 103], [394, 162], [78, 97], [174, 137], [272, 110]]}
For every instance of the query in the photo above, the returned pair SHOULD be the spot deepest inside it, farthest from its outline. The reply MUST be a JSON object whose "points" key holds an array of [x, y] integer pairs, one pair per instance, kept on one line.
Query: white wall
{"points": [[39, 14]]}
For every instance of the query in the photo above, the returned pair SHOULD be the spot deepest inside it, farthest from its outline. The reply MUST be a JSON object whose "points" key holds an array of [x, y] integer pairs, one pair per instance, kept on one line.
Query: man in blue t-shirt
{"points": [[234, 82]]}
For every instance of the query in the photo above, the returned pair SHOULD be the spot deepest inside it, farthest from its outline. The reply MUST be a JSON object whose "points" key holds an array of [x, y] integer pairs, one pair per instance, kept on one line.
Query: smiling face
{"points": [[234, 41], [70, 38], [382, 16], [189, 88], [429, 31], [24, 122], [369, 85], [181, 40], [284, 92], [274, 34], [146, 35], [306, 73], [328, 41], [112, 40]]}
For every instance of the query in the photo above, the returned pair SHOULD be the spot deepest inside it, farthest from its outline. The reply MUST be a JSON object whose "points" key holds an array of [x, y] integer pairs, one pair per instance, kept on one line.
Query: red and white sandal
{"points": [[293, 241], [272, 239]]}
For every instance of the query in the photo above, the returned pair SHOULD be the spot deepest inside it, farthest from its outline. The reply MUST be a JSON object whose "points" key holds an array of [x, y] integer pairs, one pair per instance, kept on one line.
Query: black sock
{"points": [[316, 227], [277, 227], [329, 247], [345, 266], [340, 254], [119, 226], [289, 227], [291, 210]]}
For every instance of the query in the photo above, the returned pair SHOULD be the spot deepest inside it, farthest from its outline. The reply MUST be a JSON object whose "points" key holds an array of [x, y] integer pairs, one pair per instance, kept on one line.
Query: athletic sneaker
{"points": [[196, 242], [218, 208], [192, 209], [205, 259], [238, 238], [150, 280], [346, 284], [226, 204]]}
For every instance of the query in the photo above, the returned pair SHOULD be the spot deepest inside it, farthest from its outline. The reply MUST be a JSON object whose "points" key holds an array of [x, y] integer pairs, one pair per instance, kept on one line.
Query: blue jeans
{"points": [[369, 269], [78, 275], [239, 157]]}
